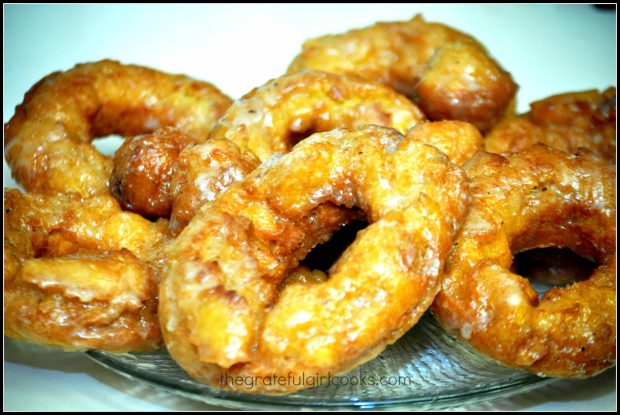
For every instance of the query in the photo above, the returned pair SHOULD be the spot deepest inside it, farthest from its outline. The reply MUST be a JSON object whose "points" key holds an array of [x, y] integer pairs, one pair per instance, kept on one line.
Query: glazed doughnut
{"points": [[201, 173], [273, 118], [149, 171], [565, 121], [167, 174], [539, 197], [267, 120], [447, 73], [220, 309], [458, 140], [77, 273], [142, 171], [48, 140]]}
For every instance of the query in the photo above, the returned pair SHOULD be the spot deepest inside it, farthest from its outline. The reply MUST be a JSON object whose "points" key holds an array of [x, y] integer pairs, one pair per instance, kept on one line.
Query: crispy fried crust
{"points": [[565, 122], [48, 140], [274, 117], [269, 119], [77, 273], [167, 174], [447, 73], [539, 197], [221, 311], [458, 140], [201, 173], [143, 169]]}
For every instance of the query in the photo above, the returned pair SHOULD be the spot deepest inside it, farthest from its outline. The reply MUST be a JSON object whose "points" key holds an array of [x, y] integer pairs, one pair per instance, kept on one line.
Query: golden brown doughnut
{"points": [[47, 142], [77, 273], [565, 121], [539, 197], [274, 117], [447, 73], [220, 310]]}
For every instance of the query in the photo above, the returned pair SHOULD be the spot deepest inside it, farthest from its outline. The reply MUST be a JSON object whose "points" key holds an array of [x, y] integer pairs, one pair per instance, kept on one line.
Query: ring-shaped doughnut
{"points": [[79, 273], [537, 198], [274, 117], [47, 142], [449, 74], [221, 311]]}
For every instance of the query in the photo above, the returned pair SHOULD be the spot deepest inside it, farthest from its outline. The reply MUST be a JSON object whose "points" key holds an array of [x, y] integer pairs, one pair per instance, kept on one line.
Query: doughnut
{"points": [[267, 120], [47, 142], [77, 273], [458, 140], [565, 122], [167, 174], [221, 310], [540, 197], [274, 117], [150, 172], [447, 73], [201, 173], [142, 171]]}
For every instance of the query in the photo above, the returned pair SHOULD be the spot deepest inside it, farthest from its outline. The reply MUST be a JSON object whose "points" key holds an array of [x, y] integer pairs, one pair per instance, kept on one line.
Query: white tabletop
{"points": [[548, 49]]}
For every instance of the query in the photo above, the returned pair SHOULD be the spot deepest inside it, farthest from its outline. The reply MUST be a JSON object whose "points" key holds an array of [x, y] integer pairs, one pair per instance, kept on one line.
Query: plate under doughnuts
{"points": [[434, 369]]}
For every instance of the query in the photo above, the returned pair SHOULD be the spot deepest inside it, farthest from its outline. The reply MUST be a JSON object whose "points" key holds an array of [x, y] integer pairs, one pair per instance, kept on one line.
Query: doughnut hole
{"points": [[546, 268], [108, 145], [295, 137], [143, 169], [557, 247], [324, 255], [314, 268]]}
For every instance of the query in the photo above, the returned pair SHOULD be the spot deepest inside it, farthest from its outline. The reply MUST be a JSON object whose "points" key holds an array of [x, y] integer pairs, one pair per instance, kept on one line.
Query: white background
{"points": [[548, 49]]}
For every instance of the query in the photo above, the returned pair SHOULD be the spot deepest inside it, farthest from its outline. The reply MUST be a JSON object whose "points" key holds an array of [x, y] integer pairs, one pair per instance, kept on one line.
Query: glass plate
{"points": [[426, 369]]}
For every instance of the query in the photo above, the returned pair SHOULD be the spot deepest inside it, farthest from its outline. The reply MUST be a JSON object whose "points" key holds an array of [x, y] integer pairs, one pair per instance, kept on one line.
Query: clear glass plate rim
{"points": [[458, 395]]}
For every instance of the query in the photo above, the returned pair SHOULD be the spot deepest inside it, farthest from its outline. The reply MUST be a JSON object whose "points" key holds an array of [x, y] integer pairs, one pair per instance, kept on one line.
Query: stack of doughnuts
{"points": [[193, 235]]}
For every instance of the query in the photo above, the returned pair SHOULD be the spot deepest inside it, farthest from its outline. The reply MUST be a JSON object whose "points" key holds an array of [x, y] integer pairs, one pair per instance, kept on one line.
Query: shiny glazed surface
{"points": [[447, 73], [458, 140], [143, 169], [274, 117], [221, 310], [77, 273], [565, 121], [47, 142], [201, 173], [537, 198]]}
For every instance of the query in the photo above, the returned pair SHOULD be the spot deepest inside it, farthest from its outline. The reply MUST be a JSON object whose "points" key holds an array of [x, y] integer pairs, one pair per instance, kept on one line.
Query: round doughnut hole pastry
{"points": [[47, 142], [143, 169], [228, 309], [537, 198]]}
